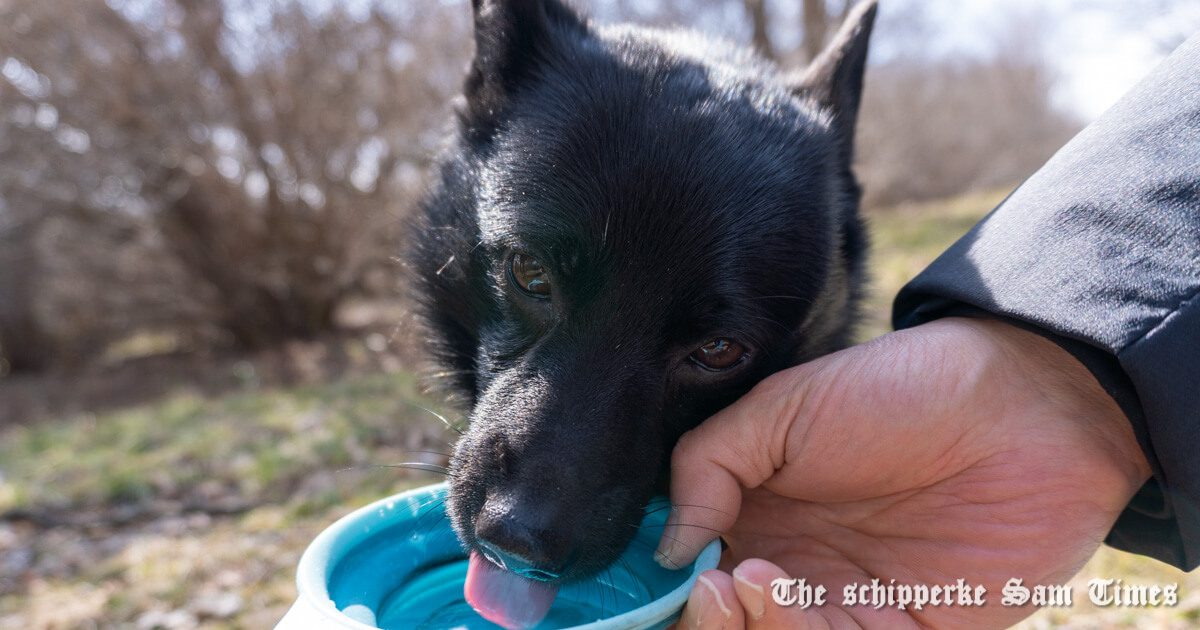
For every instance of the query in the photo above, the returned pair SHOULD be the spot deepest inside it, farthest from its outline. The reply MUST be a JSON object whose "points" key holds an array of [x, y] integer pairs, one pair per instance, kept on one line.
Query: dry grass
{"points": [[905, 239], [191, 512]]}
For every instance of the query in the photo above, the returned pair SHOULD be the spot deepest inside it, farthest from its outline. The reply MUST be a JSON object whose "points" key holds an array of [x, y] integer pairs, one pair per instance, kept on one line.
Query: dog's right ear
{"points": [[510, 38], [835, 78]]}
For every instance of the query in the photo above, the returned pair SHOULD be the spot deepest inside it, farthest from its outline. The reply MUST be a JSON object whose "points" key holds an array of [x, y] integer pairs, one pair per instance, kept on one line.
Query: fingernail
{"points": [[666, 544], [751, 594], [710, 613]]}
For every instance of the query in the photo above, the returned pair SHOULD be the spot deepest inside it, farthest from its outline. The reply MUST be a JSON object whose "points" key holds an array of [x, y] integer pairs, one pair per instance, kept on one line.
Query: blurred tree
{"points": [[207, 166], [756, 10], [817, 23], [937, 126], [931, 125]]}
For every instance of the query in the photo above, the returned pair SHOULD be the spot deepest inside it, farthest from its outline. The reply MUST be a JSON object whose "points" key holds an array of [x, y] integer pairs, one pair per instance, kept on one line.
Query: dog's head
{"points": [[632, 227]]}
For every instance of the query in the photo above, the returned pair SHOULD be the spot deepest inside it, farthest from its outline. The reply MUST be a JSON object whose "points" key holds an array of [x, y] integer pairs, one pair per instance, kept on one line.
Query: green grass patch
{"points": [[256, 445], [905, 239]]}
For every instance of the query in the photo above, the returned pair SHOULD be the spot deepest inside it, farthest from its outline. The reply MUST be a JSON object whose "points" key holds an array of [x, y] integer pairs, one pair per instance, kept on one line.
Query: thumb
{"points": [[740, 447]]}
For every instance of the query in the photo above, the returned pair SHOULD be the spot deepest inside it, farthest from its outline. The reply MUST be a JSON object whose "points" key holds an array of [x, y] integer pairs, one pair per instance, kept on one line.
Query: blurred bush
{"points": [[938, 125], [223, 171], [939, 129]]}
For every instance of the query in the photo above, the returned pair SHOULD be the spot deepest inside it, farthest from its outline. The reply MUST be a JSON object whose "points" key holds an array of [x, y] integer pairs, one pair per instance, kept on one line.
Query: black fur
{"points": [[678, 190]]}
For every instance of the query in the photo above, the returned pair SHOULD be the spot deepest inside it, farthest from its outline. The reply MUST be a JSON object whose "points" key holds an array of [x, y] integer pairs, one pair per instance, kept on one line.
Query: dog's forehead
{"points": [[638, 139]]}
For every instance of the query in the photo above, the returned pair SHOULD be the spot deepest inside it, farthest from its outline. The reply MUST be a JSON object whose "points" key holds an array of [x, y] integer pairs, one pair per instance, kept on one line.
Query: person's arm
{"points": [[1099, 251]]}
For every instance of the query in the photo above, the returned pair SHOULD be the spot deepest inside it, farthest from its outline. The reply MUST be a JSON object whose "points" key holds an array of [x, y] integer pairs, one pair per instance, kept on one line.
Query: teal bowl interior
{"points": [[396, 564]]}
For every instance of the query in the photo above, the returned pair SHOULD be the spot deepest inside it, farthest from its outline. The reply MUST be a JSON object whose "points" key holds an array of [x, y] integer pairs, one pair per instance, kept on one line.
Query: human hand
{"points": [[961, 448]]}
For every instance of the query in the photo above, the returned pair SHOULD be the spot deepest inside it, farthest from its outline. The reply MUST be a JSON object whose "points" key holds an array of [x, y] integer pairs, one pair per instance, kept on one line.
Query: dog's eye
{"points": [[527, 274], [719, 354]]}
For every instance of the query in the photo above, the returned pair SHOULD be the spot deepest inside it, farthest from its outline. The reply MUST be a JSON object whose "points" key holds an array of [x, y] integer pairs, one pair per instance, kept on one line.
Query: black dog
{"points": [[631, 228]]}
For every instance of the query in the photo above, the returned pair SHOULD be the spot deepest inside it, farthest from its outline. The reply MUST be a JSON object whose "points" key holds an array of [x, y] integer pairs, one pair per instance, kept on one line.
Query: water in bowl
{"points": [[433, 600]]}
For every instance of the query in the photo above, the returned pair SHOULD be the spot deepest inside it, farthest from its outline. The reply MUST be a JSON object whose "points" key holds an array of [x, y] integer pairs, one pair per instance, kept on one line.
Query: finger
{"points": [[741, 446], [753, 583], [712, 604]]}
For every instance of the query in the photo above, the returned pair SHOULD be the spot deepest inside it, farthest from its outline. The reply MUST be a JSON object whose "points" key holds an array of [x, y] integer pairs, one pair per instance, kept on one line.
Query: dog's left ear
{"points": [[511, 38], [835, 78]]}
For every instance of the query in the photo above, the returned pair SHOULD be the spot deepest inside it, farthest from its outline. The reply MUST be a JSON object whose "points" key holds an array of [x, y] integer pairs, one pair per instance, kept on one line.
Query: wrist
{"points": [[1041, 368]]}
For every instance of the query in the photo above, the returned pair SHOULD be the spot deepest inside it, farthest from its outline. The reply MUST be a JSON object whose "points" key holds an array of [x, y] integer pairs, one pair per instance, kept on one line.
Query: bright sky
{"points": [[1101, 66], [1099, 48]]}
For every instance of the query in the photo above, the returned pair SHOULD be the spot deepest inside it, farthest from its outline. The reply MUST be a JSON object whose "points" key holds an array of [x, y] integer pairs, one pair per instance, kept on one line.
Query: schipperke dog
{"points": [[629, 229]]}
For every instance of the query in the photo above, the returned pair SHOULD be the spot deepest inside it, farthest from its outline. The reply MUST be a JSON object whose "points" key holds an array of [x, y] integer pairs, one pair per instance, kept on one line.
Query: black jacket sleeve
{"points": [[1100, 251]]}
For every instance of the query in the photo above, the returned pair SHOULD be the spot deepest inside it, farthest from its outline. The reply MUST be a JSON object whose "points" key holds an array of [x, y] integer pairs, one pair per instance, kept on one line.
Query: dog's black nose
{"points": [[522, 539]]}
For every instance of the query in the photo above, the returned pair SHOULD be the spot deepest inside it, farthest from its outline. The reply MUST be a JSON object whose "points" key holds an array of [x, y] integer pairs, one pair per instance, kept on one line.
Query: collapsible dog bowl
{"points": [[396, 565]]}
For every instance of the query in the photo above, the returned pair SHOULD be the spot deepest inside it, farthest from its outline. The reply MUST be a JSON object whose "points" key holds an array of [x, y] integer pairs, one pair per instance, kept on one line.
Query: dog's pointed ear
{"points": [[511, 36], [835, 78]]}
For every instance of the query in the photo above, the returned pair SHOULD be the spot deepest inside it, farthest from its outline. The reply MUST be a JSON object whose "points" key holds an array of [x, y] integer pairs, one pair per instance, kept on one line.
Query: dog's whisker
{"points": [[438, 468], [650, 548], [446, 375], [665, 505], [601, 590], [418, 466], [692, 525], [655, 509], [429, 452], [645, 590], [772, 322], [425, 511], [437, 415], [711, 530], [783, 297]]}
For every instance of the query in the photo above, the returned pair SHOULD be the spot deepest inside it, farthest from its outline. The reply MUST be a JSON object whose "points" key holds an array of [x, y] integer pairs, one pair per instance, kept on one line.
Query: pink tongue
{"points": [[505, 598]]}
